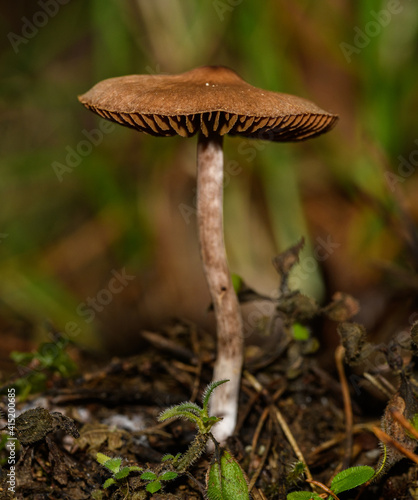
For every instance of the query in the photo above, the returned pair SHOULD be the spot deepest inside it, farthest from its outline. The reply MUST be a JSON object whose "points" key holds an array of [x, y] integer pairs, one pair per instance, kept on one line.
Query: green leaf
{"points": [[169, 456], [236, 282], [22, 357], [168, 475], [109, 482], [414, 421], [153, 487], [351, 478], [226, 480], [208, 423], [134, 468], [193, 418], [303, 495], [149, 476], [208, 392], [300, 332], [113, 465], [102, 459], [188, 406], [180, 410], [124, 472], [210, 420]]}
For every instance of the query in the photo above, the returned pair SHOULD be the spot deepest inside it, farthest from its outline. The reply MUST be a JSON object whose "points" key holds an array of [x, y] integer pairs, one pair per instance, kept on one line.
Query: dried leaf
{"points": [[284, 262], [298, 307], [342, 308], [95, 435], [354, 340]]}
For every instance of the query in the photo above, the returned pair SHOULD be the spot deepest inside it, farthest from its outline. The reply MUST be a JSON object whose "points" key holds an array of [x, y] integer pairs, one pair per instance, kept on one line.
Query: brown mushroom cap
{"points": [[210, 99]]}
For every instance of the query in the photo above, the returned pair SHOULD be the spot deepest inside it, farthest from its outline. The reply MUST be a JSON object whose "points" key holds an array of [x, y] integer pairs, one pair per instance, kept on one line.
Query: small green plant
{"points": [[343, 481], [154, 481], [225, 480], [195, 413], [114, 466], [37, 367], [296, 473], [203, 421]]}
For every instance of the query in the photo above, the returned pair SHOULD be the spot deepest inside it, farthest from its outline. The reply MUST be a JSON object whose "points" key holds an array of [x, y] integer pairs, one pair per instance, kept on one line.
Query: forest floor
{"points": [[113, 407]]}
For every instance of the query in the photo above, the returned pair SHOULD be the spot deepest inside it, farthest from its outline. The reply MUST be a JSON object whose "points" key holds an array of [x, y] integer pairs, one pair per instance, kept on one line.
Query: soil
{"points": [[113, 409]]}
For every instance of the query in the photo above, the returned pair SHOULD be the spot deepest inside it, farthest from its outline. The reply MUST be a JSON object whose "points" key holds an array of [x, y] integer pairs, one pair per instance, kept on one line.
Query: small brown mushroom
{"points": [[212, 101]]}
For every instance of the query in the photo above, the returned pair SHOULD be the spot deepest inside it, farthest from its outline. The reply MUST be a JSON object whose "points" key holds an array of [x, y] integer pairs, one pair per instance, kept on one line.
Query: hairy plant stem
{"points": [[228, 365], [193, 452]]}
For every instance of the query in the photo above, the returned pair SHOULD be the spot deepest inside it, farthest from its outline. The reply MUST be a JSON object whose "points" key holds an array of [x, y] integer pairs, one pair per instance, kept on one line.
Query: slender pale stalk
{"points": [[229, 359]]}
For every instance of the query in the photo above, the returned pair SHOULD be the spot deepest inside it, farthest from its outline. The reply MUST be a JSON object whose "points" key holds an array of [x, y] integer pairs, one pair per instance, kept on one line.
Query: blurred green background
{"points": [[126, 201]]}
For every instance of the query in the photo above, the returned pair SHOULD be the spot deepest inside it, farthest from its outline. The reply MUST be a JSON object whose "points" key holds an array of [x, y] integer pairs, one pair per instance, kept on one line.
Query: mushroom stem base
{"points": [[228, 365]]}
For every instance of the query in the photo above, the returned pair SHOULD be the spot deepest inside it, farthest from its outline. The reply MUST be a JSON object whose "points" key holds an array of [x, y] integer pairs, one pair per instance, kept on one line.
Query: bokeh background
{"points": [[77, 207]]}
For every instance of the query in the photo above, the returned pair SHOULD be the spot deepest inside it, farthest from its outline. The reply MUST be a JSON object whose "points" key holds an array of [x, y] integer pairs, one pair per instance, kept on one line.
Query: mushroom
{"points": [[211, 101]]}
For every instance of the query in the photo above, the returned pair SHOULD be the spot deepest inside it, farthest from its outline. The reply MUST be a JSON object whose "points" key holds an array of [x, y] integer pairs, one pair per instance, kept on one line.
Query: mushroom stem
{"points": [[229, 359]]}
